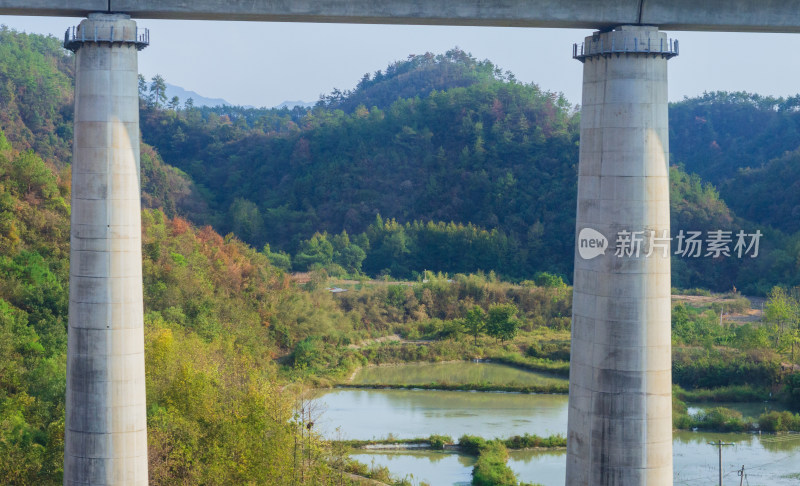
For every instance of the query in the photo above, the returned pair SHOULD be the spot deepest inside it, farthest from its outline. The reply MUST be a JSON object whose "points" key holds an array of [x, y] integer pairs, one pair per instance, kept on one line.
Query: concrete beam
{"points": [[52, 8], [710, 15]]}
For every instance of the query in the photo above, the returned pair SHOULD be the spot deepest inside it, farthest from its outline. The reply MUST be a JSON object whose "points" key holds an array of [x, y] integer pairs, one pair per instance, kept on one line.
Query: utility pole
{"points": [[719, 444], [741, 475]]}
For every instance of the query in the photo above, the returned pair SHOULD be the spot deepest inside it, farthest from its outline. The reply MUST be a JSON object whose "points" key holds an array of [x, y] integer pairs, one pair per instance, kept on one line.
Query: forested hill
{"points": [[439, 162], [447, 138], [747, 145], [417, 76], [497, 153], [36, 83]]}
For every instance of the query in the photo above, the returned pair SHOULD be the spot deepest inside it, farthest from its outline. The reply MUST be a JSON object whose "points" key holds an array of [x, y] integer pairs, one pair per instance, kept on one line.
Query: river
{"points": [[772, 460]]}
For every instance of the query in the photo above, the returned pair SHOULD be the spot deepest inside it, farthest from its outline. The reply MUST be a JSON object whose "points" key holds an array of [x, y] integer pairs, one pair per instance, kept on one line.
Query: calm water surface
{"points": [[374, 414], [769, 460]]}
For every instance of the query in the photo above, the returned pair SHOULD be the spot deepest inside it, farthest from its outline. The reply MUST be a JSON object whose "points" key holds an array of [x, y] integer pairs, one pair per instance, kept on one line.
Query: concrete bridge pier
{"points": [[620, 396], [105, 430]]}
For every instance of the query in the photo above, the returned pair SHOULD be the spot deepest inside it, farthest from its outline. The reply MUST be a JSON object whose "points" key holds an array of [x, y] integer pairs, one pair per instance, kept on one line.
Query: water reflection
{"points": [[435, 468], [543, 467], [769, 459], [367, 414]]}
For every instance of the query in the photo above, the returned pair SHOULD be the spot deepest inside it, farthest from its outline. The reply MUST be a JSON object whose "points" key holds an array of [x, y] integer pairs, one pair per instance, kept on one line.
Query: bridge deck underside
{"points": [[708, 15]]}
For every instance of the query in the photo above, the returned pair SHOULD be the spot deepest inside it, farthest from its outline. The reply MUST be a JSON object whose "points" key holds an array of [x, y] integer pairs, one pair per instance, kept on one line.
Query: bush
{"points": [[491, 468], [306, 353], [721, 419], [712, 368], [529, 441], [471, 444], [545, 279], [779, 422], [439, 441], [791, 391]]}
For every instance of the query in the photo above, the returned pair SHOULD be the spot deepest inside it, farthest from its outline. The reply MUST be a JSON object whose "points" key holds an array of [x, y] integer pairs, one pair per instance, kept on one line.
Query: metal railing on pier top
{"points": [[604, 47], [75, 37]]}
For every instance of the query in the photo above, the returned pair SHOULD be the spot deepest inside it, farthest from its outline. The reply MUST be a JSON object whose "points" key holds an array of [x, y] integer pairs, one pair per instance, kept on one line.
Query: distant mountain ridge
{"points": [[198, 99], [291, 104]]}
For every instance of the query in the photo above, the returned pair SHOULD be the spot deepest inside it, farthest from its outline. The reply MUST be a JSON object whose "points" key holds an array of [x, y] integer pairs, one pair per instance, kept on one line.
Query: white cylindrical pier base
{"points": [[620, 401], [106, 426]]}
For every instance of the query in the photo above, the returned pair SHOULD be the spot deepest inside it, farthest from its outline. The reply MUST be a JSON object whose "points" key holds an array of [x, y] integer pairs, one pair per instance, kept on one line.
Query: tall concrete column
{"points": [[620, 402], [106, 429]]}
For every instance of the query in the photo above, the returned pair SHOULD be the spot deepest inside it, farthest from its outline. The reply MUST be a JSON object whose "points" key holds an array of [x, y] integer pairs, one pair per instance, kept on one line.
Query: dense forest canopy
{"points": [[439, 162], [444, 162]]}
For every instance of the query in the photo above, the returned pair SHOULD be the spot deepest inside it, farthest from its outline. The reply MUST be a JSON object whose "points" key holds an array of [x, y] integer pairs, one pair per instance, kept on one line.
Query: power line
{"points": [[773, 462]]}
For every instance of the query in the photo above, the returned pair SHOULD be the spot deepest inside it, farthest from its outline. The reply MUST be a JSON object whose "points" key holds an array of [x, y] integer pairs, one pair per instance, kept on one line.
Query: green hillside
{"points": [[215, 397], [439, 162], [457, 167]]}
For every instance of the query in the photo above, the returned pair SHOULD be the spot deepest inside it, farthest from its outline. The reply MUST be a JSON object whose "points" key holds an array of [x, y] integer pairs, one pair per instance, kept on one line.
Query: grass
{"points": [[732, 393], [560, 368]]}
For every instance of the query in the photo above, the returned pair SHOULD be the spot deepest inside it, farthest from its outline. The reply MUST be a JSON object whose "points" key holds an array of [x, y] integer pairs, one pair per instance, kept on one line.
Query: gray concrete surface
{"points": [[620, 401], [106, 429], [718, 15]]}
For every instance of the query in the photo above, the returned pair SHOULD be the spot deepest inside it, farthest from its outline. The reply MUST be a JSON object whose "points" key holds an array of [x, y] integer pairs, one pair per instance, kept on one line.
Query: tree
{"points": [[174, 103], [781, 310], [347, 254], [545, 279], [317, 250], [142, 88], [188, 104], [246, 220], [158, 90], [279, 259], [502, 322], [475, 322]]}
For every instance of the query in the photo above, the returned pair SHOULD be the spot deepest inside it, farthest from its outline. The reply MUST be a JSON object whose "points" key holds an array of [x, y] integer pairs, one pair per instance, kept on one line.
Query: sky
{"points": [[266, 63]]}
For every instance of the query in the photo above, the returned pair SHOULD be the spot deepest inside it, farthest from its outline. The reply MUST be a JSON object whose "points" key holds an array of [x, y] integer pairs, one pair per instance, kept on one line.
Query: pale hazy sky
{"points": [[263, 64]]}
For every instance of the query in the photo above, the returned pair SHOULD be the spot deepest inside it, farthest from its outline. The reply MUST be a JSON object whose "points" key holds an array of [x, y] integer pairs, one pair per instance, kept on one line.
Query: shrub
{"points": [[779, 422], [721, 419], [791, 391], [439, 441], [491, 468], [528, 441], [471, 444]]}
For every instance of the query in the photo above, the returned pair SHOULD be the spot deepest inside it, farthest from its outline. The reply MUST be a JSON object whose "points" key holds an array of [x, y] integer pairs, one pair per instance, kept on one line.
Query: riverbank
{"points": [[481, 387], [466, 444]]}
